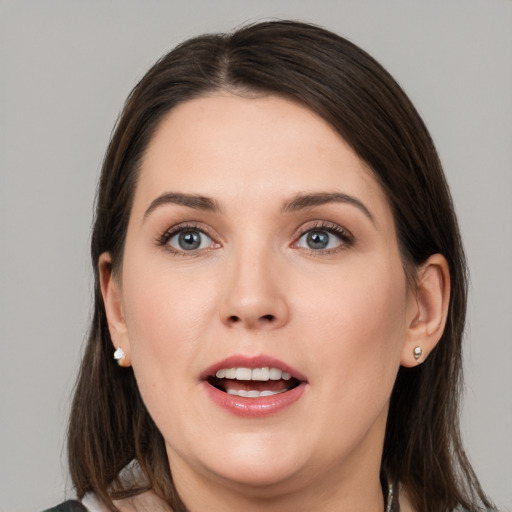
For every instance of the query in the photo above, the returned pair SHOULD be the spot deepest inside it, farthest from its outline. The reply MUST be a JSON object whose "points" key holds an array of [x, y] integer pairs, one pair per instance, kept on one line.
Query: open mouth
{"points": [[253, 382]]}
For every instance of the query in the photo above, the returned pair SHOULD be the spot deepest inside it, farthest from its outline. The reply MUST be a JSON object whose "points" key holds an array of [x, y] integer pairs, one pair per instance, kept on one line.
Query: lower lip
{"points": [[254, 407]]}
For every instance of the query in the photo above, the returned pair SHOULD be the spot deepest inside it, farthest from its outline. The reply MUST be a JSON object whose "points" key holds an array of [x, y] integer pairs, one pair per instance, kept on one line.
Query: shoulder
{"points": [[68, 506], [88, 504]]}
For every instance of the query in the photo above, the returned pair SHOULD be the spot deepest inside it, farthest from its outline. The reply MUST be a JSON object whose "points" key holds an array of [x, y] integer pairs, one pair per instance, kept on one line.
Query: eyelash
{"points": [[346, 238]]}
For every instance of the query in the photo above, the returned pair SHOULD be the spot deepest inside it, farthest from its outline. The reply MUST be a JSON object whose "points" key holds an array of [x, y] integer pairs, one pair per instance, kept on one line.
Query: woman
{"points": [[280, 278]]}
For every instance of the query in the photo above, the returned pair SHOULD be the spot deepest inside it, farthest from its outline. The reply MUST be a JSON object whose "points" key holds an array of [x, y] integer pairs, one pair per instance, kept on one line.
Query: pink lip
{"points": [[252, 407]]}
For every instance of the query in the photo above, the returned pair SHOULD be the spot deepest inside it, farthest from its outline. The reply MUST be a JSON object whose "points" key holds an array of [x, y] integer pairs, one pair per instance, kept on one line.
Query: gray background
{"points": [[65, 69]]}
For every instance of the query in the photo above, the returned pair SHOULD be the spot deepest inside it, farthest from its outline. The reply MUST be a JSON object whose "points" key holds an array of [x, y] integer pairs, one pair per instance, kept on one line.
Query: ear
{"points": [[428, 312], [112, 300]]}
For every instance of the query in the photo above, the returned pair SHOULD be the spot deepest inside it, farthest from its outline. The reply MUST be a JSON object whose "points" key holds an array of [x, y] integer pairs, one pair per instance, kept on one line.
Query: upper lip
{"points": [[261, 361]]}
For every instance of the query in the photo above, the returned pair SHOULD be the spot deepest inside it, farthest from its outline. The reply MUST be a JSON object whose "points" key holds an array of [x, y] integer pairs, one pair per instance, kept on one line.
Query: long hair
{"points": [[109, 423]]}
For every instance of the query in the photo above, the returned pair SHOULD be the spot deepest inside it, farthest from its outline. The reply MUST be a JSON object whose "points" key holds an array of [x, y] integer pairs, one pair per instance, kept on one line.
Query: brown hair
{"points": [[110, 425]]}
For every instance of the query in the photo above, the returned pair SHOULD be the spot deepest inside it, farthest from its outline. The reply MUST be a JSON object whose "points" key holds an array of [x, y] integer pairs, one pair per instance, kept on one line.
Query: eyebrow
{"points": [[299, 202], [305, 201], [189, 200]]}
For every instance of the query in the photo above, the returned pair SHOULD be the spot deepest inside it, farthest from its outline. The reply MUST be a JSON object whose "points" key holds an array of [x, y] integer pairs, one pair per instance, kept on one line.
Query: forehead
{"points": [[236, 148]]}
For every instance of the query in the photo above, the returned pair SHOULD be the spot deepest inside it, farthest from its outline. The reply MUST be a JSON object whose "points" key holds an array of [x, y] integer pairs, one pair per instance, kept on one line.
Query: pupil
{"points": [[189, 240], [318, 239]]}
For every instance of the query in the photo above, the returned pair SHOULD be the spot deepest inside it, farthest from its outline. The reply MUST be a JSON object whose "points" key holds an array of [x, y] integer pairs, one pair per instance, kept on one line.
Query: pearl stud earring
{"points": [[119, 355], [417, 352]]}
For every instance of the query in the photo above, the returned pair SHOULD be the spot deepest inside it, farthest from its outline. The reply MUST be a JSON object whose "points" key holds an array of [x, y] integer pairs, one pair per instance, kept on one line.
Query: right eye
{"points": [[189, 239]]}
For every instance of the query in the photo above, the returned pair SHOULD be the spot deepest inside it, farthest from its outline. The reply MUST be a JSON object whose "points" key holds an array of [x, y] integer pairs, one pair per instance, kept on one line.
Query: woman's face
{"points": [[258, 239]]}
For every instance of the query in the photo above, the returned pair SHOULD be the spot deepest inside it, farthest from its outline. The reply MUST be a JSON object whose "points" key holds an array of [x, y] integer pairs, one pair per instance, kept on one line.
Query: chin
{"points": [[257, 465], [259, 481], [264, 475]]}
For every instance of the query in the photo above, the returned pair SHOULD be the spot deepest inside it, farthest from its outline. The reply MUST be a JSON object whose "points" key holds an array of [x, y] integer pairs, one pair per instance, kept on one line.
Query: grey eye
{"points": [[190, 240], [318, 240]]}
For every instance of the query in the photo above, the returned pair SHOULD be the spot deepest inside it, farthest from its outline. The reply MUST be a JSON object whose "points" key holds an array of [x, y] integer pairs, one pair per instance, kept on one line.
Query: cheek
{"points": [[166, 313], [356, 321]]}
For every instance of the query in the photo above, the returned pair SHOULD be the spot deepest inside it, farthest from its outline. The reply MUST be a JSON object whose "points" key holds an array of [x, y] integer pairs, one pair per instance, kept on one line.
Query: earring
{"points": [[417, 352], [119, 356]]}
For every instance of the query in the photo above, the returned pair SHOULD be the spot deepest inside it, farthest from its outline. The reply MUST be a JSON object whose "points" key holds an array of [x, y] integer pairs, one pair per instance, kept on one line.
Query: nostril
{"points": [[233, 319]]}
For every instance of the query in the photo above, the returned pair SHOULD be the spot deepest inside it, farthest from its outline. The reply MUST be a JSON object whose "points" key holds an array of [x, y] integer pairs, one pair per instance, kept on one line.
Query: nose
{"points": [[254, 295]]}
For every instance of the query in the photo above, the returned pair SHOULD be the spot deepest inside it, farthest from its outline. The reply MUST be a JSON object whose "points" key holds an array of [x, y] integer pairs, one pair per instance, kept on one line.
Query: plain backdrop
{"points": [[65, 69]]}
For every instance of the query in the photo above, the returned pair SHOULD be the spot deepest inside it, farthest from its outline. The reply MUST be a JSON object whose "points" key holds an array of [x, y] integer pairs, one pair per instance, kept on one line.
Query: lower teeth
{"points": [[253, 393]]}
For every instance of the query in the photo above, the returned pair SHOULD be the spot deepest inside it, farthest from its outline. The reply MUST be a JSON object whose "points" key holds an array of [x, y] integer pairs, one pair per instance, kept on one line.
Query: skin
{"points": [[344, 317]]}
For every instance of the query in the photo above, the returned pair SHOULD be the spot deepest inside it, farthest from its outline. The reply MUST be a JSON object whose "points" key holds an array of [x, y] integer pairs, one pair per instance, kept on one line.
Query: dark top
{"points": [[68, 506], [76, 506]]}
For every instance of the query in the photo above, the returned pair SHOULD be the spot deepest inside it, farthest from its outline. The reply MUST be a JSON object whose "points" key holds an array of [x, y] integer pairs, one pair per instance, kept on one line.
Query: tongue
{"points": [[254, 385]]}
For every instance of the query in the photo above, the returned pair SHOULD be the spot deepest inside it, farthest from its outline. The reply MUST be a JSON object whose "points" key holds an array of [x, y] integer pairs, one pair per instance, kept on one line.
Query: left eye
{"points": [[319, 239], [189, 240]]}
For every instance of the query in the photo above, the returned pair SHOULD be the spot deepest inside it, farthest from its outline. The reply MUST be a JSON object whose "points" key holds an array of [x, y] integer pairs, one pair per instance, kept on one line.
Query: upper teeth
{"points": [[262, 374]]}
